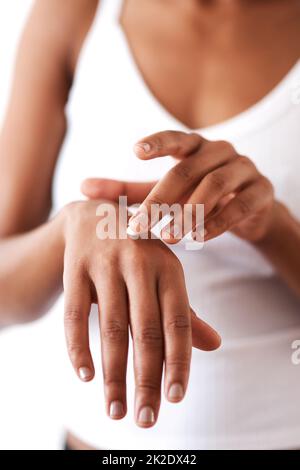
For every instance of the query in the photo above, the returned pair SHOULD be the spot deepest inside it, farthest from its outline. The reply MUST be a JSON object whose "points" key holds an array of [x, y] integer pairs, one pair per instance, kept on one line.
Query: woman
{"points": [[143, 67]]}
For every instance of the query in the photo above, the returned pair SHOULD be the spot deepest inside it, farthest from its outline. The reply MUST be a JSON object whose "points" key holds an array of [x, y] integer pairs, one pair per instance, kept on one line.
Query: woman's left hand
{"points": [[235, 195]]}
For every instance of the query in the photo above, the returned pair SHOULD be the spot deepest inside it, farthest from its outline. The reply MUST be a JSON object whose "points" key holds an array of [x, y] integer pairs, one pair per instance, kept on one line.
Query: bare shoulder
{"points": [[44, 69], [62, 25]]}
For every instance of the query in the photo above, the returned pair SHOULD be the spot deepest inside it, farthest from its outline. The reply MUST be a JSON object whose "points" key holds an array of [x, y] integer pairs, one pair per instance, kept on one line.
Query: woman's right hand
{"points": [[137, 284]]}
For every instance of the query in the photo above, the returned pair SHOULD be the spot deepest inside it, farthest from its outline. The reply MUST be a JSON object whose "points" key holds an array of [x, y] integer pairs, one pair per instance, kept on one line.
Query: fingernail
{"points": [[138, 223], [175, 392], [146, 415], [85, 373], [131, 233], [173, 232], [116, 409], [199, 234], [143, 146]]}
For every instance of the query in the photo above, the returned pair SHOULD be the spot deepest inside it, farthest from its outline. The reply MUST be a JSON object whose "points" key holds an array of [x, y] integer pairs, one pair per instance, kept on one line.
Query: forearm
{"points": [[281, 246], [30, 272]]}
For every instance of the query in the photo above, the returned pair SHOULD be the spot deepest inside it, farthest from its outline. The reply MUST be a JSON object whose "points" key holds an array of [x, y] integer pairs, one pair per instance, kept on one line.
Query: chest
{"points": [[206, 72], [110, 108]]}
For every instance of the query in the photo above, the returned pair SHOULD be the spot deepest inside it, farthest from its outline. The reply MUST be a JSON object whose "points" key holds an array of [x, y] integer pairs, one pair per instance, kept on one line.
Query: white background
{"points": [[30, 399]]}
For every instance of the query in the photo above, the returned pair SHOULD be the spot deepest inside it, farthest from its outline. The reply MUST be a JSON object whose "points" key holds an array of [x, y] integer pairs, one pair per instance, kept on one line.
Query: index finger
{"points": [[177, 144], [179, 183]]}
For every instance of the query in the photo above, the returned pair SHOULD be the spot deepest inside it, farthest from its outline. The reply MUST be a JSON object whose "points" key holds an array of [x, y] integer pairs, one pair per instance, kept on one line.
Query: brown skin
{"points": [[217, 42], [36, 255], [235, 195], [138, 283], [220, 46]]}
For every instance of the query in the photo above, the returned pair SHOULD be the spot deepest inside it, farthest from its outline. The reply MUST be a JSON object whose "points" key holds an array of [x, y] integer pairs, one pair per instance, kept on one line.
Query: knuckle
{"points": [[244, 161], [71, 208], [112, 382], [158, 143], [182, 141], [104, 262], [175, 135], [175, 264], [178, 324], [183, 171], [74, 212], [195, 136], [114, 331], [220, 223], [75, 264], [170, 265], [140, 268], [266, 185], [144, 383], [182, 363], [244, 204], [72, 315], [216, 181], [74, 269], [224, 146], [170, 259], [149, 335], [75, 349], [140, 262], [176, 140]]}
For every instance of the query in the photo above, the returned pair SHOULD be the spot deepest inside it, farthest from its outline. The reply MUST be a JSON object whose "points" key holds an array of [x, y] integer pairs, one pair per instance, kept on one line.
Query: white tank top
{"points": [[245, 395]]}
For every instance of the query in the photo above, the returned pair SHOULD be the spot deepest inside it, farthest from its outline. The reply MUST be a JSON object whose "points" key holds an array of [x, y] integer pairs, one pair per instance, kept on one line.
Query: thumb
{"points": [[95, 188], [204, 336]]}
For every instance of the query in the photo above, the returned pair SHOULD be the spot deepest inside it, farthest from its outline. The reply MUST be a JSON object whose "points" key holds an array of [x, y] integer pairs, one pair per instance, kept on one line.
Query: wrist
{"points": [[281, 222], [55, 232], [75, 215]]}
